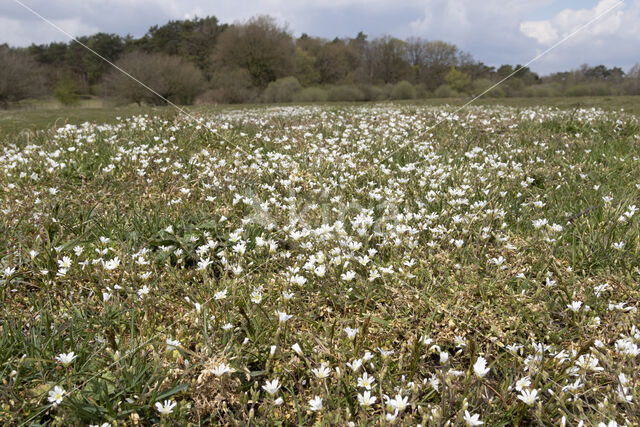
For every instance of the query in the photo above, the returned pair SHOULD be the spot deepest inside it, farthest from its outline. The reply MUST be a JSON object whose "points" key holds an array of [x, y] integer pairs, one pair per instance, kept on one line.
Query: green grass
{"points": [[161, 250], [43, 115]]}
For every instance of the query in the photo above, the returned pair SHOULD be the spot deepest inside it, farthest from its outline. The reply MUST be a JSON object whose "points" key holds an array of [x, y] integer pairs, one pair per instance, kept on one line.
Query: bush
{"points": [[421, 91], [311, 94], [372, 93], [480, 85], [589, 89], [282, 90], [543, 90], [345, 93], [66, 90], [403, 90], [174, 78], [232, 86], [445, 91]]}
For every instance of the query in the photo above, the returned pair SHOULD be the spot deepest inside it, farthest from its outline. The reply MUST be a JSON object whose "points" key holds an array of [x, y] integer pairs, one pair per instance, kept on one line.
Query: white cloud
{"points": [[542, 31], [609, 15]]}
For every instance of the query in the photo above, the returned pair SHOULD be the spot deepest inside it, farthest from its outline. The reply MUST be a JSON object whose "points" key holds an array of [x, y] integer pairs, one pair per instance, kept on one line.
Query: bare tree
{"points": [[173, 77], [21, 76]]}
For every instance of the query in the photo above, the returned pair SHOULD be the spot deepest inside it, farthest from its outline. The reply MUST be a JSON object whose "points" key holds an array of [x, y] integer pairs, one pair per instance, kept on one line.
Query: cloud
{"points": [[542, 31], [611, 40], [608, 12]]}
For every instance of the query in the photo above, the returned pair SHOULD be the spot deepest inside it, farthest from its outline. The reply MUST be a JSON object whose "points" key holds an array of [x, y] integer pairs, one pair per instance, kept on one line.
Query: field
{"points": [[373, 264]]}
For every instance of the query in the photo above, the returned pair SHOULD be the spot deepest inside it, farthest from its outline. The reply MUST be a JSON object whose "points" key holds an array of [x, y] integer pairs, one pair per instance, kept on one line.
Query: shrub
{"points": [[174, 78], [282, 90], [345, 93], [445, 91], [421, 91], [311, 94], [480, 85], [543, 90], [372, 93], [66, 90], [589, 89], [403, 90], [232, 86], [458, 80]]}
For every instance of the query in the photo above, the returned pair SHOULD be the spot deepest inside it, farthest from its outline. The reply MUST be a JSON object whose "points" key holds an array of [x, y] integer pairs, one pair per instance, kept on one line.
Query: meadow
{"points": [[322, 264]]}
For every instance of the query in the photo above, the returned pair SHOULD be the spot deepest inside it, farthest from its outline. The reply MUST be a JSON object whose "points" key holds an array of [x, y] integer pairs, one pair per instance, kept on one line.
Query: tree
{"points": [[260, 46], [334, 62], [21, 76], [173, 77], [193, 39], [439, 57], [390, 59], [458, 80]]}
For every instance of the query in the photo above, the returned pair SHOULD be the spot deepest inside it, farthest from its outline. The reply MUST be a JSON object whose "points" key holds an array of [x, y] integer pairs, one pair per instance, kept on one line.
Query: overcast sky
{"points": [[493, 31]]}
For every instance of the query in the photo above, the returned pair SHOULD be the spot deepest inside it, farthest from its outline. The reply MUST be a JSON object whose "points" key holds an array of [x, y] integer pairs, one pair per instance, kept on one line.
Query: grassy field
{"points": [[43, 115], [373, 264]]}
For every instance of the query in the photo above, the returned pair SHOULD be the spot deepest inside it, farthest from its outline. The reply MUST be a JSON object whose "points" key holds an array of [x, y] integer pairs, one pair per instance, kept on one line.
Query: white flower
{"points": [[529, 396], [172, 344], [111, 264], [574, 306], [366, 381], [398, 403], [523, 383], [472, 420], [66, 358], [351, 333], [296, 347], [283, 316], [220, 295], [480, 367], [271, 387], [315, 404], [366, 399], [322, 372], [222, 369], [56, 395], [355, 365], [166, 408]]}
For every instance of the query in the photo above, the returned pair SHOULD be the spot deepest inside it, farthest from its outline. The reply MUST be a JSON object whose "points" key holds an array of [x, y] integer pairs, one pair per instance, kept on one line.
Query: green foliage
{"points": [[345, 93], [458, 80], [311, 94], [373, 93], [306, 71], [480, 85], [66, 90], [445, 91], [282, 90], [403, 90], [589, 89]]}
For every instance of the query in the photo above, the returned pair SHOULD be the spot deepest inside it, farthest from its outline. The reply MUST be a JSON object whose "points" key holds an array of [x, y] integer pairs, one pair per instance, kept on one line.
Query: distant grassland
{"points": [[43, 115]]}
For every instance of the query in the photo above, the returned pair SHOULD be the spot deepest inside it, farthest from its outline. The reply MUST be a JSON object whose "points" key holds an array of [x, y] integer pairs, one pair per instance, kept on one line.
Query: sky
{"points": [[494, 31]]}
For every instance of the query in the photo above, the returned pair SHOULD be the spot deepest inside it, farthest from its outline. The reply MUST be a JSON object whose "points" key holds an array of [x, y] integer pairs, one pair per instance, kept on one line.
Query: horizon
{"points": [[517, 32]]}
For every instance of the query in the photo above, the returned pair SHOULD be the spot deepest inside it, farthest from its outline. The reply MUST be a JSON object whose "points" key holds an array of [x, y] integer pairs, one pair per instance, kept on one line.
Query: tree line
{"points": [[203, 60]]}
